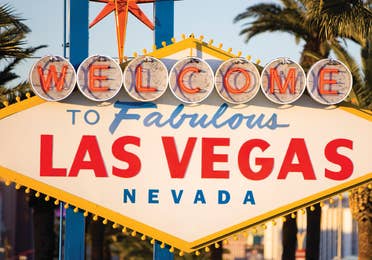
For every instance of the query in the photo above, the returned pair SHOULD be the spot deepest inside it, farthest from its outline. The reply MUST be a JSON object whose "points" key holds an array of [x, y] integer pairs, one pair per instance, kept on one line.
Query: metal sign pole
{"points": [[164, 21], [75, 222], [164, 31]]}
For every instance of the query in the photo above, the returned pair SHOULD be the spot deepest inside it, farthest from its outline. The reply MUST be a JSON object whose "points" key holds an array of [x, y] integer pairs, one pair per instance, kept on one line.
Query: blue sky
{"points": [[211, 18]]}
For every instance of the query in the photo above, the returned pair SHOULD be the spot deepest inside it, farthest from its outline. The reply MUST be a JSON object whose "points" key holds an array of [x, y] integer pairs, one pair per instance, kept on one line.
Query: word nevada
{"points": [[191, 79]]}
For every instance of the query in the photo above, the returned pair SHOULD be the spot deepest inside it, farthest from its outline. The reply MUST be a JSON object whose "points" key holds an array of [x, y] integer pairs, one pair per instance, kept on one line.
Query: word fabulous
{"points": [[191, 79]]}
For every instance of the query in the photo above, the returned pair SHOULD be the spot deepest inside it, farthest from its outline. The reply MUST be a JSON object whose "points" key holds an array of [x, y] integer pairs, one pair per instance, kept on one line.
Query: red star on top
{"points": [[121, 8]]}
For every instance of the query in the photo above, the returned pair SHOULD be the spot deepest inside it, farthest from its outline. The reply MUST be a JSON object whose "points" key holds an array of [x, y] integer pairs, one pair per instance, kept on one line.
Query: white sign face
{"points": [[187, 175]]}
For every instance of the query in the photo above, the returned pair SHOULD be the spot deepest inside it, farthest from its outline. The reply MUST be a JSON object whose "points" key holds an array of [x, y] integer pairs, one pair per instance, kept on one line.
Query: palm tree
{"points": [[348, 19], [12, 43], [321, 24], [13, 34], [339, 18], [291, 17]]}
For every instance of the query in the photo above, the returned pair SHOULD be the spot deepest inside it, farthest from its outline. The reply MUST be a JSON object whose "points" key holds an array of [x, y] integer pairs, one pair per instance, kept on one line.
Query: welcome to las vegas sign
{"points": [[185, 174]]}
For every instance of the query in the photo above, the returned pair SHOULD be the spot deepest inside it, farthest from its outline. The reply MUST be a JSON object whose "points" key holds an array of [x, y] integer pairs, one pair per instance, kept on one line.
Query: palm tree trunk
{"points": [[96, 230], [313, 232], [365, 239], [44, 236], [361, 207], [289, 242], [216, 253], [313, 50]]}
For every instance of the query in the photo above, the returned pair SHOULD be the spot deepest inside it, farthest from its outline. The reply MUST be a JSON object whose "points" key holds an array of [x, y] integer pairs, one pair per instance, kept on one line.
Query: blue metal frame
{"points": [[75, 235], [164, 31], [162, 253], [75, 222], [164, 21]]}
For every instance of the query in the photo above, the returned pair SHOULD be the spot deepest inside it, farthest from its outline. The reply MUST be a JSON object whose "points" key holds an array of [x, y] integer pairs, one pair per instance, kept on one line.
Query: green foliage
{"points": [[341, 18], [321, 24], [13, 34], [10, 94]]}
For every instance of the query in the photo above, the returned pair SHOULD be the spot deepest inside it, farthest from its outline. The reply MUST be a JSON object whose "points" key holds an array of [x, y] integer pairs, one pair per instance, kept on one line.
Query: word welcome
{"points": [[191, 79]]}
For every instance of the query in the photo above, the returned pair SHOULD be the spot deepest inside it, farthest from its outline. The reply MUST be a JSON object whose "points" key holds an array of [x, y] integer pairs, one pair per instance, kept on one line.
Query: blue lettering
{"points": [[153, 119], [123, 114], [223, 197], [249, 198], [174, 115], [73, 111], [129, 196], [153, 196], [176, 197], [178, 118], [199, 197], [235, 121], [90, 112]]}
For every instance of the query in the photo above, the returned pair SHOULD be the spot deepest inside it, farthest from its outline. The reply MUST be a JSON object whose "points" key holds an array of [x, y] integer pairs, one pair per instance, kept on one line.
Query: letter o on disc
{"points": [[191, 80], [329, 81], [145, 78], [237, 80], [99, 78], [283, 81], [52, 78]]}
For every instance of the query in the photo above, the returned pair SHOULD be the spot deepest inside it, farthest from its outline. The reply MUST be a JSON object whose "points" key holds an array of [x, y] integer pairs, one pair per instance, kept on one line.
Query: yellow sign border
{"points": [[119, 219]]}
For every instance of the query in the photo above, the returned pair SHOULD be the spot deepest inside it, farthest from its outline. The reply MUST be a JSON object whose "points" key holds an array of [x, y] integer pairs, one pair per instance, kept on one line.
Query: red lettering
{"points": [[289, 80], [177, 167], [139, 86], [52, 75], [266, 164], [88, 145], [229, 88], [297, 147], [323, 81], [46, 158], [93, 77], [209, 158], [344, 162], [182, 85], [133, 161]]}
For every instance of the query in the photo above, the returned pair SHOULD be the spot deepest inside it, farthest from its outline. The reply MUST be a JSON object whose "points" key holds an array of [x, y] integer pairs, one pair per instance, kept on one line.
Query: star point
{"points": [[121, 9]]}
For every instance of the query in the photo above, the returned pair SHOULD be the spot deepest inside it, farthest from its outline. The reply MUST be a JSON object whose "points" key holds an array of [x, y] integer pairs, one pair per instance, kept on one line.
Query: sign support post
{"points": [[164, 21], [162, 253], [75, 222], [164, 31]]}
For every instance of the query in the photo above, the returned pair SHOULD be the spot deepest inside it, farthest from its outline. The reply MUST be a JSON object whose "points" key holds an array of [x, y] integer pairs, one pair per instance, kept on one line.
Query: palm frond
{"points": [[362, 92], [9, 19], [13, 34], [343, 18], [6, 74], [270, 17]]}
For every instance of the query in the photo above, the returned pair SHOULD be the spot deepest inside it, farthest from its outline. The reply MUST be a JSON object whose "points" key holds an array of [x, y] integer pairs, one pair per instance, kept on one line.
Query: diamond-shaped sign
{"points": [[186, 175]]}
